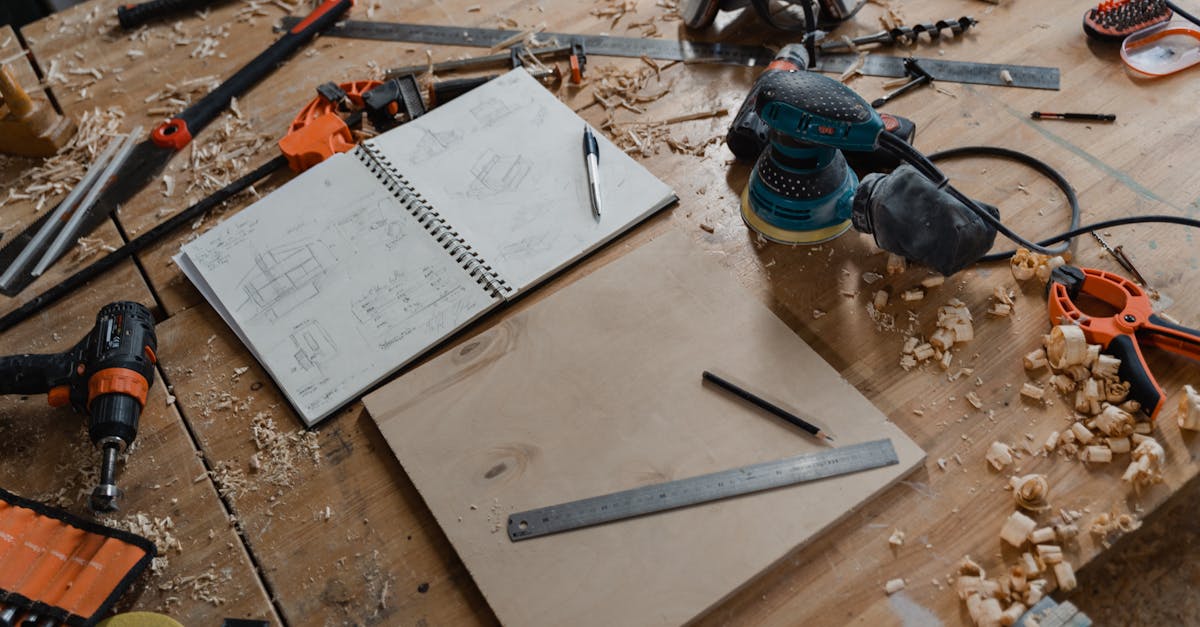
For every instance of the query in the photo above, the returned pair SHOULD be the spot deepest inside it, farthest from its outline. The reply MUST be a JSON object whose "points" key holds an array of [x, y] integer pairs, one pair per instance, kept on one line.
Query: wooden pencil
{"points": [[762, 403]]}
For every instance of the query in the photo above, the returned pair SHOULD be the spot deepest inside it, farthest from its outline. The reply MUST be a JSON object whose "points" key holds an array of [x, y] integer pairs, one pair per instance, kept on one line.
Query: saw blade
{"points": [[702, 489], [1034, 77]]}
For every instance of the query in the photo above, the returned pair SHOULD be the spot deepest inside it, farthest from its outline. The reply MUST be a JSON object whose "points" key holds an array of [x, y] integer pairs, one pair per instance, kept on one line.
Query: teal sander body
{"points": [[801, 191]]}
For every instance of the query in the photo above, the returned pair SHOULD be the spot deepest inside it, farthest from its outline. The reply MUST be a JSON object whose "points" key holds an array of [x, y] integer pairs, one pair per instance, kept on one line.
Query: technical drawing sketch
{"points": [[495, 174], [313, 345], [374, 225], [491, 110], [432, 144], [284, 278]]}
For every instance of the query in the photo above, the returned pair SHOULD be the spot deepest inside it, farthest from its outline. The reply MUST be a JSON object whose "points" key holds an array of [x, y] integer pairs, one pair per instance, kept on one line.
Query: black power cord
{"points": [[924, 164], [1044, 168]]}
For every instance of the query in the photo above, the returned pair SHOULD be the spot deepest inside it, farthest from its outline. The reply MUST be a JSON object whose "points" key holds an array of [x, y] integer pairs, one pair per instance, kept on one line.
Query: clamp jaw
{"points": [[1123, 333]]}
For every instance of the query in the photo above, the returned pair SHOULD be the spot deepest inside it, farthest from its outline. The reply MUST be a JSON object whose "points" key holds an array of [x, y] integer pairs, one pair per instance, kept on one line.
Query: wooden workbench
{"points": [[342, 536]]}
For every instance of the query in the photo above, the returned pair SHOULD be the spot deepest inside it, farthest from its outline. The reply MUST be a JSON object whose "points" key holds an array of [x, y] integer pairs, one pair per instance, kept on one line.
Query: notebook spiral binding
{"points": [[432, 221]]}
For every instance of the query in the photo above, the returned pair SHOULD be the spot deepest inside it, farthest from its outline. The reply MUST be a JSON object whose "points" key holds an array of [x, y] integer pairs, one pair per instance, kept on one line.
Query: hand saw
{"points": [[145, 160], [1032, 77]]}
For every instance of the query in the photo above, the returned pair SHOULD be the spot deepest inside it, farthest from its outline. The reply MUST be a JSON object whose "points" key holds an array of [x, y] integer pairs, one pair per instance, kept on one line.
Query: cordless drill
{"points": [[105, 377]]}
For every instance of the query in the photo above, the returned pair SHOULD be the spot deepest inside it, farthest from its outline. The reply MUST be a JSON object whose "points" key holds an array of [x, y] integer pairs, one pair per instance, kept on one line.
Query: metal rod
{"points": [[69, 231], [60, 213]]}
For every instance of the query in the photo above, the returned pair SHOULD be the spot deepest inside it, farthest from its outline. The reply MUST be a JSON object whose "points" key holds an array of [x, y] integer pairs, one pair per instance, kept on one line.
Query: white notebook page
{"points": [[504, 165], [332, 284]]}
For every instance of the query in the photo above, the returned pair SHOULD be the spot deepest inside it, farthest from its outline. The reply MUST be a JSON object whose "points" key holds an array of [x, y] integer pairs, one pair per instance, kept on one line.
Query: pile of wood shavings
{"points": [[160, 531], [76, 475], [222, 155], [617, 88], [278, 452], [202, 587], [173, 98], [229, 478], [58, 174], [615, 9]]}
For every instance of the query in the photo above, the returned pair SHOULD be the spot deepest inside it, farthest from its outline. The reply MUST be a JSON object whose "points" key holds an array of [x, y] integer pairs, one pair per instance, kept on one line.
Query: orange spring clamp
{"points": [[318, 132], [1123, 333]]}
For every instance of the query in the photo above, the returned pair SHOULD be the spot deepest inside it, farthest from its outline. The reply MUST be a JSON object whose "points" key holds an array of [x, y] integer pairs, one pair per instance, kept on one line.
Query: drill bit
{"points": [[1121, 258], [904, 36], [104, 497]]}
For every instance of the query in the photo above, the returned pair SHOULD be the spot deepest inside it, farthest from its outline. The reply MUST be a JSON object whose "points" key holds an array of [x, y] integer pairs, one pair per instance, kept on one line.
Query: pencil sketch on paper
{"points": [[373, 225], [489, 111], [312, 345], [495, 174], [530, 245], [388, 312], [284, 277], [433, 144]]}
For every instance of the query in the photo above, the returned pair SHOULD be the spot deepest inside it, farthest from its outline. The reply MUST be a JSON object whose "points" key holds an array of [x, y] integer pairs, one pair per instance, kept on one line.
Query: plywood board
{"points": [[598, 389]]}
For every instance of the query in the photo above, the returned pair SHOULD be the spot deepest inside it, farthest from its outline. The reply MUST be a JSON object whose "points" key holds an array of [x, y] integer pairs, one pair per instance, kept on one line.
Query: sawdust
{"points": [[203, 587], [616, 89], [229, 478], [222, 156], [160, 531], [175, 97], [56, 175], [278, 452]]}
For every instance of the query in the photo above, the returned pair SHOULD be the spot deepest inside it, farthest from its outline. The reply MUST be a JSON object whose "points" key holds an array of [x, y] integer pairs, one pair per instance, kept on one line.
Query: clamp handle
{"points": [[1122, 334]]}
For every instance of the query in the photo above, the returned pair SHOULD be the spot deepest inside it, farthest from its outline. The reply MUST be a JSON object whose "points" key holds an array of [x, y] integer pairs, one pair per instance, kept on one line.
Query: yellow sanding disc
{"points": [[139, 619], [784, 236]]}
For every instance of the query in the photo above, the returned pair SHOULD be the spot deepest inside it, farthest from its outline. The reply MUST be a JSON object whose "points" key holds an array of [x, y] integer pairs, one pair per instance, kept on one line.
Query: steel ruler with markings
{"points": [[702, 489], [1034, 77]]}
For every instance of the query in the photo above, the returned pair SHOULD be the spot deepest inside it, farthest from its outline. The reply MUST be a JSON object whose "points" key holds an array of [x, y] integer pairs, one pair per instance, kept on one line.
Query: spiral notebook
{"points": [[355, 268]]}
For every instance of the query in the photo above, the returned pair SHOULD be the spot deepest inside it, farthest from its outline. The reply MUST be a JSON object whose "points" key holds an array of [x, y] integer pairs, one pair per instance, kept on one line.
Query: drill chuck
{"points": [[114, 416]]}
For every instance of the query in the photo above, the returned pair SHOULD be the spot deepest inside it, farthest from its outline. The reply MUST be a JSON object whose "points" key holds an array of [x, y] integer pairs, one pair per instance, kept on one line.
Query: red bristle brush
{"points": [[1114, 20]]}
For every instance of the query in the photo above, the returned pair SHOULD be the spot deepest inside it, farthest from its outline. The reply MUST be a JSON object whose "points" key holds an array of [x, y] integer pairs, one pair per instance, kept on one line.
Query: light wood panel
{"points": [[545, 408]]}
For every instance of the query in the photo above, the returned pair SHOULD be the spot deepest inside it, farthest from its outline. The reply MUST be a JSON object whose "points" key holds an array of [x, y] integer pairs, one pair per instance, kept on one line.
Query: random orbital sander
{"points": [[801, 190]]}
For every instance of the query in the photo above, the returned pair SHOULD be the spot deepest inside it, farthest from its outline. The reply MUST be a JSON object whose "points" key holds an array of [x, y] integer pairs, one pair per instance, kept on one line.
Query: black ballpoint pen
{"points": [[591, 156]]}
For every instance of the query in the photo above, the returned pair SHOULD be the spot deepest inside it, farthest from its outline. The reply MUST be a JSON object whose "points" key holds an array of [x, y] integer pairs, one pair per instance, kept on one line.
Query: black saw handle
{"points": [[33, 374], [132, 16], [178, 131]]}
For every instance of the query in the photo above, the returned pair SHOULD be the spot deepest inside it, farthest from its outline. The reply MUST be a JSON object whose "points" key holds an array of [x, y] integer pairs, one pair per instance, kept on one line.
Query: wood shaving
{"points": [[855, 68], [1148, 459], [57, 175], [278, 452], [615, 9], [87, 247], [1031, 491], [222, 156], [1188, 413], [160, 531]]}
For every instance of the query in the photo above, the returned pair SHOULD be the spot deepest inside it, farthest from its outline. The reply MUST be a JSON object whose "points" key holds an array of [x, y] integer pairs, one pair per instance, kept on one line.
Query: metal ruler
{"points": [[692, 52], [1028, 76], [684, 492]]}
